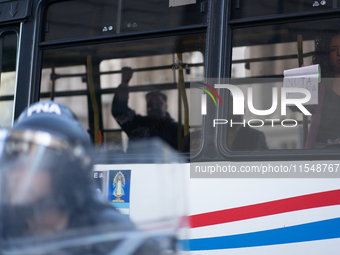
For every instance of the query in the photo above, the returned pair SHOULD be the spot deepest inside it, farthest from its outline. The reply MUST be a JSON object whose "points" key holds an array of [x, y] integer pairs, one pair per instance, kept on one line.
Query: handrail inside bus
{"points": [[183, 94], [138, 88], [58, 76], [300, 63], [94, 103], [179, 109], [53, 83], [273, 58]]}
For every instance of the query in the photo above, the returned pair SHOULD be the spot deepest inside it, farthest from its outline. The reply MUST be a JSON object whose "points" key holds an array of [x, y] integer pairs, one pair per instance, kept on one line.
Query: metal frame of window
{"points": [[269, 155], [97, 73], [39, 46], [218, 63], [10, 29]]}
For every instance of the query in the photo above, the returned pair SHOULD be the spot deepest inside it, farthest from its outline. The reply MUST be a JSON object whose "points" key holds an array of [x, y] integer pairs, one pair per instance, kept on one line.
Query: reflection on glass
{"points": [[62, 78], [106, 17], [266, 53], [50, 203], [8, 74], [253, 132], [150, 65], [256, 8]]}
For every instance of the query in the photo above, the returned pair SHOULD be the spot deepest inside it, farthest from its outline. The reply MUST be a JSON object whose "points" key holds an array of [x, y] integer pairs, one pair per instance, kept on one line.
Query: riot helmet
{"points": [[46, 163]]}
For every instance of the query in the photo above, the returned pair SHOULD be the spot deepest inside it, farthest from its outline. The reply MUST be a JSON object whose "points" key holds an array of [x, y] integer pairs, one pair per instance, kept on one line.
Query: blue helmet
{"points": [[46, 162], [55, 119]]}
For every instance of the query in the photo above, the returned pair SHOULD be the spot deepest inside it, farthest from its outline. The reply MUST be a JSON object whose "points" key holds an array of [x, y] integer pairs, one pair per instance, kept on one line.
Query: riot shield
{"points": [[52, 202]]}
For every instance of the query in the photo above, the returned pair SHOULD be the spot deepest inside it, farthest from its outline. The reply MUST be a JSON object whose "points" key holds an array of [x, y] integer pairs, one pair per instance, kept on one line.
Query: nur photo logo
{"points": [[240, 104]]}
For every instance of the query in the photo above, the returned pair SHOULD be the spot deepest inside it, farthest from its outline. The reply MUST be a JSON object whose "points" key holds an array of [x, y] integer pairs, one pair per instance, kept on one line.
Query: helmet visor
{"points": [[31, 163]]}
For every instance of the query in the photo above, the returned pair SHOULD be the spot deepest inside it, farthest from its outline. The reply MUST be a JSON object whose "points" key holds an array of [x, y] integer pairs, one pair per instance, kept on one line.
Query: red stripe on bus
{"points": [[309, 201]]}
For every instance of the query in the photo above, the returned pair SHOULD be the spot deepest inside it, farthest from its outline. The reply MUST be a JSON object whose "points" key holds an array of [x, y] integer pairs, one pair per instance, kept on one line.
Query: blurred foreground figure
{"points": [[47, 186]]}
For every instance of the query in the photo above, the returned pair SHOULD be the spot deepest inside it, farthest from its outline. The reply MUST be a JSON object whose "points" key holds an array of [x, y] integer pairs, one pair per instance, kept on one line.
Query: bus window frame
{"points": [[222, 112], [14, 29], [217, 64], [4, 33], [279, 15], [39, 45]]}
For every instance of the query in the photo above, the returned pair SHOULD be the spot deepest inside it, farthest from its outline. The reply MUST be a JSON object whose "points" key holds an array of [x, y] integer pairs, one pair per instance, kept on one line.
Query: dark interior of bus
{"points": [[258, 52], [150, 58], [106, 36]]}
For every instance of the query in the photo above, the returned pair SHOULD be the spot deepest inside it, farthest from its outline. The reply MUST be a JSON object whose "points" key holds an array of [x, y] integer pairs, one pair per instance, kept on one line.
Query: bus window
{"points": [[260, 55], [62, 85], [256, 8], [94, 73], [106, 17], [152, 71], [8, 44]]}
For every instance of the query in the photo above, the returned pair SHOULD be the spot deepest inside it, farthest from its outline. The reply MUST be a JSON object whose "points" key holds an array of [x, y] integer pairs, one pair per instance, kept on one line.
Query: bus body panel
{"points": [[242, 215]]}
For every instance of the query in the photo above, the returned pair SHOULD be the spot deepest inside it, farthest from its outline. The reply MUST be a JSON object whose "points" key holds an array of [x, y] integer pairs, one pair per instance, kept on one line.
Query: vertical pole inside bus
{"points": [[184, 98], [179, 109], [93, 98], [53, 78], [300, 62]]}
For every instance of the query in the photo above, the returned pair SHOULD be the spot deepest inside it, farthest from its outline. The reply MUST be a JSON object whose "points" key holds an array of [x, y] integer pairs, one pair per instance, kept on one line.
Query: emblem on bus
{"points": [[118, 185]]}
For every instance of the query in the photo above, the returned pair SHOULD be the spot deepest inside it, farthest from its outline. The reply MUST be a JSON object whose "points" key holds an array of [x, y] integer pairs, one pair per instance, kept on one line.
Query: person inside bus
{"points": [[157, 123], [325, 126], [47, 186], [244, 138]]}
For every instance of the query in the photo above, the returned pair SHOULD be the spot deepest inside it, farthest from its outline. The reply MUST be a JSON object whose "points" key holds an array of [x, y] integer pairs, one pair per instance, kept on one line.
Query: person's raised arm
{"points": [[121, 97]]}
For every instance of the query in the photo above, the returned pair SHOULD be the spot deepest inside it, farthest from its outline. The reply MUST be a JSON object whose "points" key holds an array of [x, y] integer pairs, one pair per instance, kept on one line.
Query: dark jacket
{"points": [[137, 126], [103, 219], [105, 227]]}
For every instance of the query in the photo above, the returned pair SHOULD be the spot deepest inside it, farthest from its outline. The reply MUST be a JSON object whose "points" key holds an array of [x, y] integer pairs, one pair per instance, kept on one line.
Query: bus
{"points": [[258, 178]]}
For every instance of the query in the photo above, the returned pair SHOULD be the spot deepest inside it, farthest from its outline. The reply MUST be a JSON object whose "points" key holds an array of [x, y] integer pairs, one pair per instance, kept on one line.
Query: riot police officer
{"points": [[47, 184]]}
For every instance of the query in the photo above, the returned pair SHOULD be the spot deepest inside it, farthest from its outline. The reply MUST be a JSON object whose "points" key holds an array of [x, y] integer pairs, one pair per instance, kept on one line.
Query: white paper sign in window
{"points": [[306, 77]]}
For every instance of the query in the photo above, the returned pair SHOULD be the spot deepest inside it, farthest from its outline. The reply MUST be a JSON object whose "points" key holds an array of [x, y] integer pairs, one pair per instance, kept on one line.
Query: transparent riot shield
{"points": [[52, 204], [148, 185]]}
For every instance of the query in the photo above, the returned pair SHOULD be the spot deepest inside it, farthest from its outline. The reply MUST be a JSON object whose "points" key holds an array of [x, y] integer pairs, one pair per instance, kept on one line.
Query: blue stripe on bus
{"points": [[121, 205], [320, 230]]}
